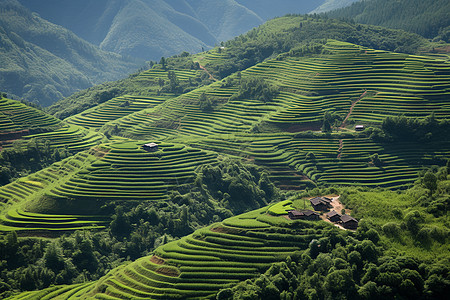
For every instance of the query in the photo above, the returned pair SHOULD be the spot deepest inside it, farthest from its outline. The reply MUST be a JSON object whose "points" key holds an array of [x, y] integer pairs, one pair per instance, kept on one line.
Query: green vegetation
{"points": [[428, 18], [134, 230], [43, 62], [259, 255], [288, 121]]}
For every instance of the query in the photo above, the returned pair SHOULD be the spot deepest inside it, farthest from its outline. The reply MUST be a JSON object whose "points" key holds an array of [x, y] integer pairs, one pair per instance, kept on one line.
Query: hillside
{"points": [[429, 18], [44, 62], [275, 37], [266, 254], [176, 181], [175, 26], [31, 140], [344, 85]]}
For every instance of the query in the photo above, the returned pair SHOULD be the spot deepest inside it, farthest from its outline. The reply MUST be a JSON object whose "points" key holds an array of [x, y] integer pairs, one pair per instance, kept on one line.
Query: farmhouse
{"points": [[333, 216], [320, 203], [150, 147], [359, 127], [349, 222], [303, 215]]}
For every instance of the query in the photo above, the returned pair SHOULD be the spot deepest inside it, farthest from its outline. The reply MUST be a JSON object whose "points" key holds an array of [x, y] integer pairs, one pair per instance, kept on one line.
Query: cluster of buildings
{"points": [[324, 204]]}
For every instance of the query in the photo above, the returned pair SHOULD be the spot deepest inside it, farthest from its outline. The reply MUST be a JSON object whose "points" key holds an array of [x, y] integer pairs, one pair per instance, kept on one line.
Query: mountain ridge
{"points": [[44, 62]]}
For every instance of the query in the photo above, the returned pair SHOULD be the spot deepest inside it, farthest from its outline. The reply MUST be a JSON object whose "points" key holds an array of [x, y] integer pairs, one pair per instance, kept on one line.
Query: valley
{"points": [[236, 137]]}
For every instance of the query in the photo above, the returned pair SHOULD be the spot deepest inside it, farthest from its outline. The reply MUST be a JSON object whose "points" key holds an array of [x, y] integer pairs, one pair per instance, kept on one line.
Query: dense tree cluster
{"points": [[256, 88], [304, 38], [402, 128], [26, 157], [342, 267], [220, 191], [428, 18]]}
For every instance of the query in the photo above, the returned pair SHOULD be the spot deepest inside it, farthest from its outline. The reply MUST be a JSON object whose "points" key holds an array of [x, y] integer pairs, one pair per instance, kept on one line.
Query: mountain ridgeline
{"points": [[232, 173], [150, 29], [430, 19], [44, 62]]}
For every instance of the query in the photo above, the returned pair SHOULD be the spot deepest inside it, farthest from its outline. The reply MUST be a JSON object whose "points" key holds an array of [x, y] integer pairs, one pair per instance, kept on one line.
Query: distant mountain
{"points": [[332, 5], [150, 29], [45, 62], [429, 18]]}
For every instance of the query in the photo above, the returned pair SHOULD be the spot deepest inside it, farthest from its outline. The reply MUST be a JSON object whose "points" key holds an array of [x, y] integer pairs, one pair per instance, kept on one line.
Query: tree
{"points": [[430, 181], [53, 257], [205, 103], [163, 63]]}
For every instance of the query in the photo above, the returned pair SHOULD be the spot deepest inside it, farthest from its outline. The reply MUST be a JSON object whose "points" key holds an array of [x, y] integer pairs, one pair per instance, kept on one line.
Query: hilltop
{"points": [[296, 33], [430, 18], [177, 180], [44, 62], [175, 26]]}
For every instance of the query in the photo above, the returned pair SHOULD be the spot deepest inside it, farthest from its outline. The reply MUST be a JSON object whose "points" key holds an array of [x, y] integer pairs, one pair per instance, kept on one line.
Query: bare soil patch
{"points": [[168, 272], [338, 207], [157, 260]]}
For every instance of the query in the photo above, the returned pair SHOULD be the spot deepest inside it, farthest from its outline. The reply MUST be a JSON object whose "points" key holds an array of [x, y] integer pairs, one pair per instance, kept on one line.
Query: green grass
{"points": [[210, 259]]}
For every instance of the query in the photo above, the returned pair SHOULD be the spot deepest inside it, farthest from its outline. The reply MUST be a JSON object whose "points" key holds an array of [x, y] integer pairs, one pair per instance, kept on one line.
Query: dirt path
{"points": [[351, 109], [338, 207], [207, 72], [341, 145]]}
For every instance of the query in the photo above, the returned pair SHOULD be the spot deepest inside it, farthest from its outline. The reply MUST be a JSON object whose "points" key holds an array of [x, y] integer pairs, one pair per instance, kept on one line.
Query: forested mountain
{"points": [[274, 37], [429, 18], [150, 29], [332, 5], [305, 159], [44, 62]]}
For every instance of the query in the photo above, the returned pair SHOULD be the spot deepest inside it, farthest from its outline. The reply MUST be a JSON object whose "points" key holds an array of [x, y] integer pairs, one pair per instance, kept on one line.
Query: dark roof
{"points": [[319, 200], [347, 218], [309, 212], [332, 214], [316, 201], [295, 213]]}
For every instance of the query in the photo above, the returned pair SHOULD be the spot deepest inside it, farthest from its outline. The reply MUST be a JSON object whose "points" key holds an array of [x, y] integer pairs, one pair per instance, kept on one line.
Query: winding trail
{"points": [[341, 145], [351, 109], [207, 72]]}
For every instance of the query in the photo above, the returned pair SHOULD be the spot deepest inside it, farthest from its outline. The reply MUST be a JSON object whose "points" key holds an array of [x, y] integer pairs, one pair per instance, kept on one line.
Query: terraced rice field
{"points": [[114, 109], [336, 161], [156, 74], [199, 265], [118, 171], [348, 74], [16, 120], [16, 116]]}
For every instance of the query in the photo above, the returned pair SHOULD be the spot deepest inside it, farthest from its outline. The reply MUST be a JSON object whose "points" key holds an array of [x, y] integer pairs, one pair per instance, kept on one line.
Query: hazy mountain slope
{"points": [[147, 33], [332, 5], [425, 17], [149, 28], [268, 9], [153, 28], [45, 62], [226, 18]]}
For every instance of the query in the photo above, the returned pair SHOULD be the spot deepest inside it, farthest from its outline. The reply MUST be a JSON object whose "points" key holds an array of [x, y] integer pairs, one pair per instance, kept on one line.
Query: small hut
{"points": [[150, 147], [320, 203], [303, 215], [349, 222], [333, 216], [359, 127]]}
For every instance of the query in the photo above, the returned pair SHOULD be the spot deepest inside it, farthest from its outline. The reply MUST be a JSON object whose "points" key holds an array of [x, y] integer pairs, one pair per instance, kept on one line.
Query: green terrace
{"points": [[296, 161], [156, 74], [199, 265], [309, 86], [16, 116], [119, 171], [114, 109]]}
